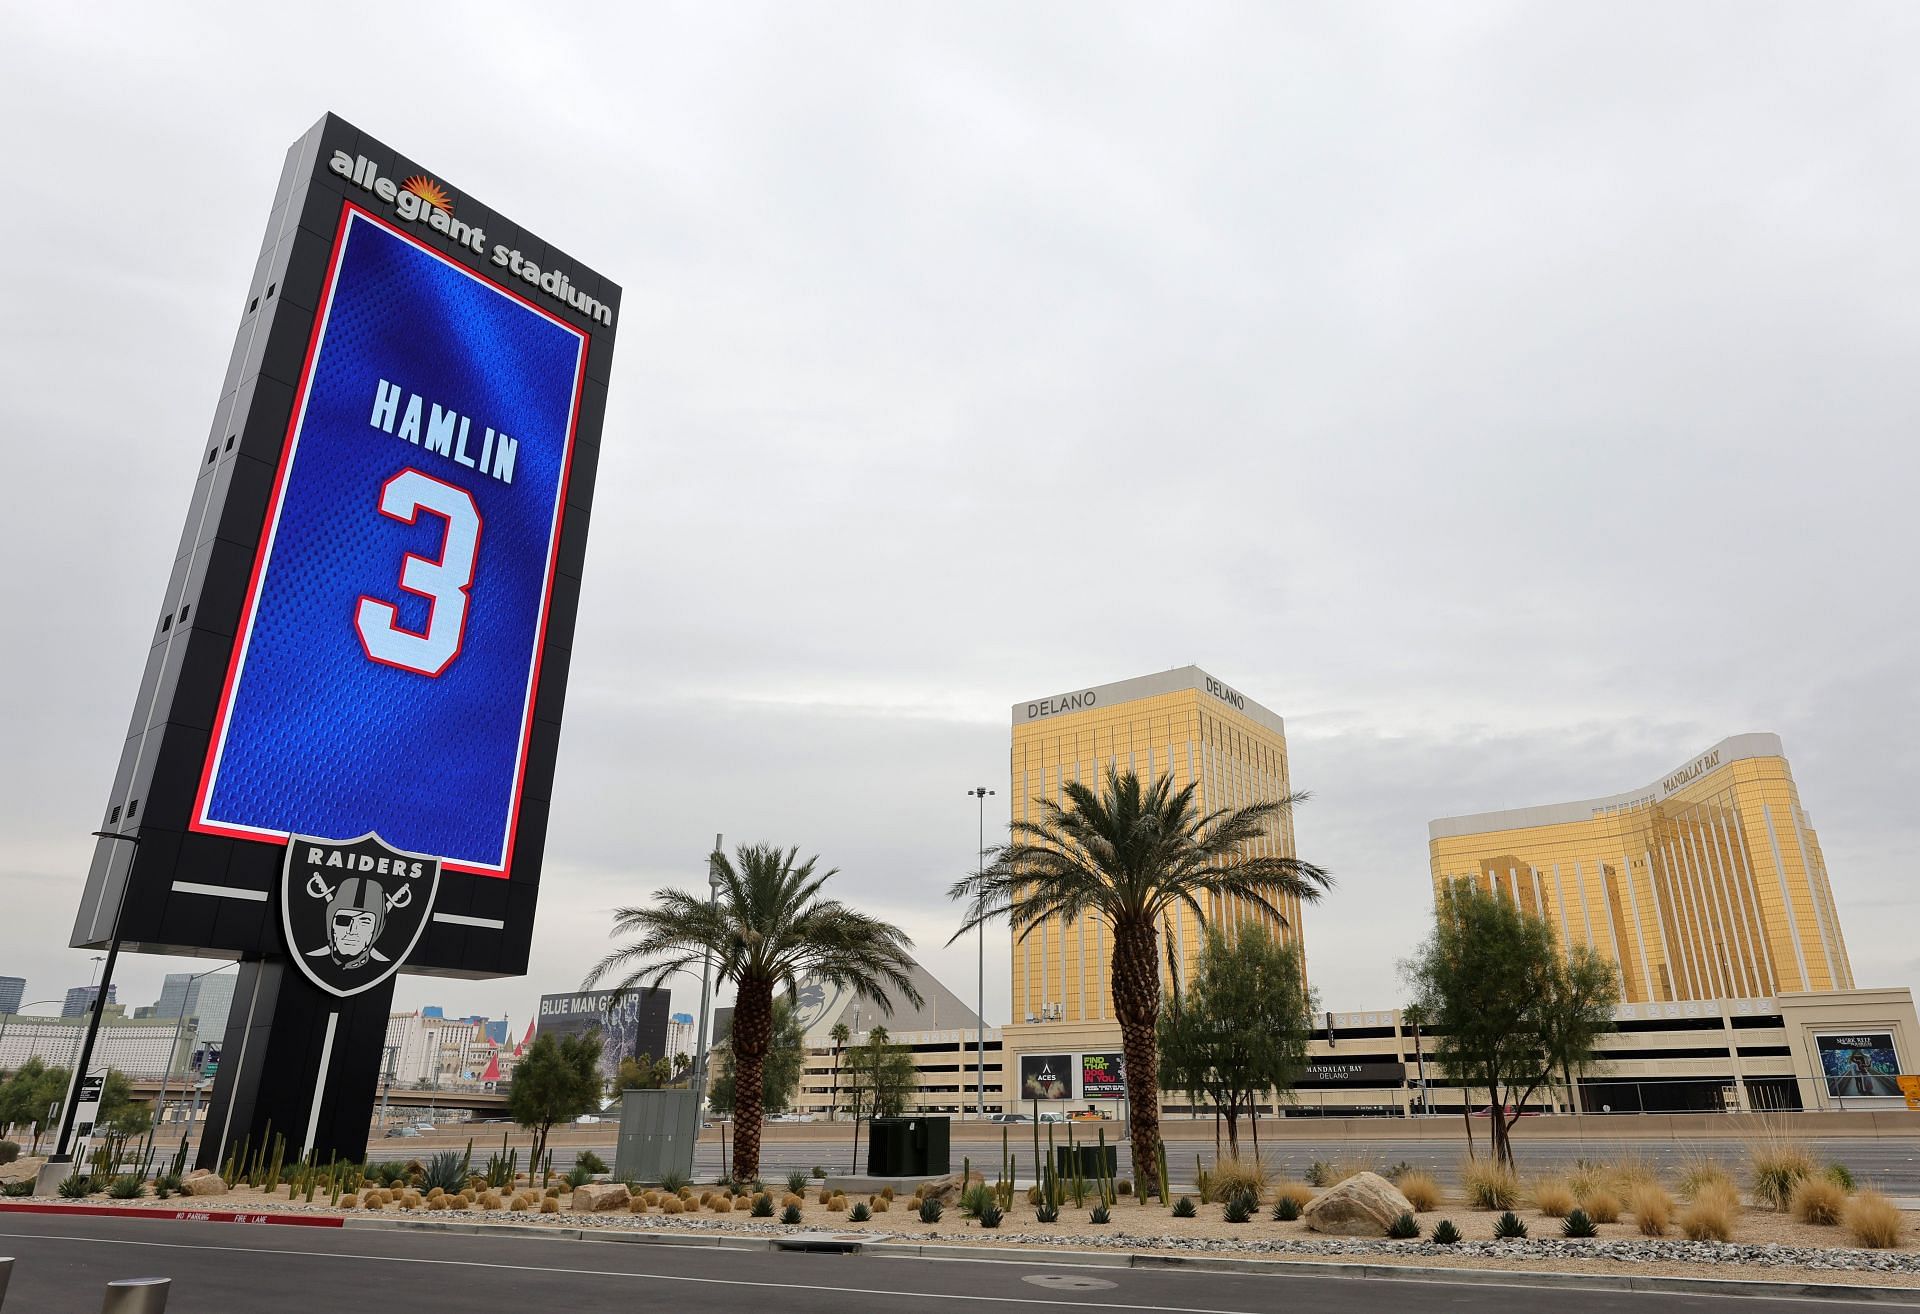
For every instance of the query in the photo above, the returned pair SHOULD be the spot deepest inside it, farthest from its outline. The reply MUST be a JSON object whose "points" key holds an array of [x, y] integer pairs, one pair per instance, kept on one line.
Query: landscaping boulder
{"points": [[211, 1184], [599, 1197], [1364, 1205]]}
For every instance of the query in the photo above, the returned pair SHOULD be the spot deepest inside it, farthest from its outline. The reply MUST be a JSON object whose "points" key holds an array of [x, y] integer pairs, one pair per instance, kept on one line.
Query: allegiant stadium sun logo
{"points": [[429, 191]]}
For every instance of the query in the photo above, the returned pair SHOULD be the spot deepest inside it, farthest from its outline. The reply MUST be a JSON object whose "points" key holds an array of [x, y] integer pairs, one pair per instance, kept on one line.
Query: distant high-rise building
{"points": [[80, 999], [207, 1000], [13, 989], [1706, 884], [681, 1035]]}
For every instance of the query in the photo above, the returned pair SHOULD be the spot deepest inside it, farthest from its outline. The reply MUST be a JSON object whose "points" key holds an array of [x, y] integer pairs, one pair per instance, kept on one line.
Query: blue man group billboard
{"points": [[369, 622]]}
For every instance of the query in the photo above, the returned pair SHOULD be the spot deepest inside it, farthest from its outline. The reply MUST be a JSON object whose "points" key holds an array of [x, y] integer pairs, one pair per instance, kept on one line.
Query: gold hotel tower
{"points": [[1182, 721], [1706, 884]]}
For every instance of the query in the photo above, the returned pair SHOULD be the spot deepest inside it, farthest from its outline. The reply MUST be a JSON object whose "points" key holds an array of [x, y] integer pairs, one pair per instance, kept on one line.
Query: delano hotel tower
{"points": [[1184, 722], [1706, 884]]}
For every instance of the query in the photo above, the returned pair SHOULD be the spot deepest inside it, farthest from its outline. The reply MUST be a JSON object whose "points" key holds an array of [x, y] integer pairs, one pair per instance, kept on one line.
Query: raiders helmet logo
{"points": [[352, 910]]}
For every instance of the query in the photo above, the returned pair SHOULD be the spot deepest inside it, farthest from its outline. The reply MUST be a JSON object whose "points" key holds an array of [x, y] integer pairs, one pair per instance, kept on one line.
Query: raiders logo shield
{"points": [[352, 910]]}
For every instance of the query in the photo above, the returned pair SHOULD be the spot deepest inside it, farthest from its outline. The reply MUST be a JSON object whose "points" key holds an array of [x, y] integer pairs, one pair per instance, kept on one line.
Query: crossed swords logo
{"points": [[318, 888]]}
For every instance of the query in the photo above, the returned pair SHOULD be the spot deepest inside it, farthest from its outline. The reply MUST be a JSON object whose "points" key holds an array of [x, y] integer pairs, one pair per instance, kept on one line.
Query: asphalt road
{"points": [[63, 1265], [1891, 1164]]}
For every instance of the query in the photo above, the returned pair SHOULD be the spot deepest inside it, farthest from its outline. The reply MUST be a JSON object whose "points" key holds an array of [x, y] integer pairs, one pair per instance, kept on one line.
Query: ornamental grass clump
{"points": [[1489, 1185], [1233, 1174], [1711, 1215], [1652, 1209], [1552, 1197], [1601, 1206], [1776, 1165], [1873, 1221], [1299, 1192], [1699, 1174], [1421, 1189], [1819, 1201]]}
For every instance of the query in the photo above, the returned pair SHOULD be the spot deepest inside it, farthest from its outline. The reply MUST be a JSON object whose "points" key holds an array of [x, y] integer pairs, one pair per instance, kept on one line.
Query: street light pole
{"points": [[714, 882], [166, 1078], [982, 793], [65, 1138]]}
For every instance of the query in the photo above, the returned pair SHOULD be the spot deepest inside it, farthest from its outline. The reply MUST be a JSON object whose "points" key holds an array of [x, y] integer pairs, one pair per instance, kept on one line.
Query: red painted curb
{"points": [[174, 1215]]}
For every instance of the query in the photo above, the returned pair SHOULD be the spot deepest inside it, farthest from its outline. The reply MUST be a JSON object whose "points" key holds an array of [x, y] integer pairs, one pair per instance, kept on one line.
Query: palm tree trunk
{"points": [[752, 1038], [1136, 1002]]}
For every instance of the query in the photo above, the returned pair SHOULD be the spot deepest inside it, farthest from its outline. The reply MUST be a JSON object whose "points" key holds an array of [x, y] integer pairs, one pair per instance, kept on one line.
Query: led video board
{"points": [[368, 623]]}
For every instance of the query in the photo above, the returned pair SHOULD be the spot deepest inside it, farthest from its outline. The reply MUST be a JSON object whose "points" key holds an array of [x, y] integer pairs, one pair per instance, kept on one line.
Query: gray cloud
{"points": [[1517, 399]]}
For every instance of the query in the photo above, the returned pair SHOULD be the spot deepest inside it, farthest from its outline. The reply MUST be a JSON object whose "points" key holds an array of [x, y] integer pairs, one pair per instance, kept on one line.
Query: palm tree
{"points": [[1128, 855], [767, 926], [840, 1036]]}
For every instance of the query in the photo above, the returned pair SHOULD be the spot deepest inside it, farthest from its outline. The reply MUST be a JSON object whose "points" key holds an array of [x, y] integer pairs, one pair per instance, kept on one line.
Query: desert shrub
{"points": [[1489, 1185], [1873, 1221], [1508, 1227], [592, 1162], [1421, 1189], [819, 1173], [860, 1213], [1234, 1173], [578, 1176], [1299, 1192], [1395, 1172], [790, 1215], [9, 1151], [1701, 1174], [1286, 1209], [1552, 1197], [762, 1206], [1652, 1209], [1403, 1228], [990, 1215], [17, 1188], [1819, 1201], [1711, 1215], [1602, 1206], [445, 1172], [75, 1186], [975, 1198], [1578, 1226], [796, 1183], [1775, 1166], [673, 1183], [127, 1187], [930, 1209], [1239, 1207], [1836, 1172], [1445, 1233], [1183, 1207], [1100, 1214]]}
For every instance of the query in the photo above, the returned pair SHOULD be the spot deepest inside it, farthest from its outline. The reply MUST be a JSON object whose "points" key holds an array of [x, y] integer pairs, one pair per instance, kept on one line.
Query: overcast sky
{"points": [[1517, 399]]}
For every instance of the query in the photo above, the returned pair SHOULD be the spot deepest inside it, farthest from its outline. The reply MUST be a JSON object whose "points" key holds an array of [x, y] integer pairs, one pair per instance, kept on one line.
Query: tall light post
{"points": [[982, 793], [65, 1138], [166, 1078], [714, 882]]}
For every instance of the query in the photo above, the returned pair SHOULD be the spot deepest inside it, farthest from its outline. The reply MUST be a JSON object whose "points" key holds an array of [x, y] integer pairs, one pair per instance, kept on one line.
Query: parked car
{"points": [[586, 1118], [1053, 1117], [1086, 1115], [403, 1131], [1008, 1117]]}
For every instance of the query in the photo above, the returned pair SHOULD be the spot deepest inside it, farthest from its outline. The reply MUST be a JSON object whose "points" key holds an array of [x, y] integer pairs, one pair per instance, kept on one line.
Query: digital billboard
{"points": [[1046, 1076], [1860, 1064], [1103, 1076], [632, 1025], [367, 624], [388, 650]]}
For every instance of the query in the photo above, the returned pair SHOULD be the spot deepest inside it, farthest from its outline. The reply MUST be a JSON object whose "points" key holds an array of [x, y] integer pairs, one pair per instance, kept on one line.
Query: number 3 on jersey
{"points": [[443, 583]]}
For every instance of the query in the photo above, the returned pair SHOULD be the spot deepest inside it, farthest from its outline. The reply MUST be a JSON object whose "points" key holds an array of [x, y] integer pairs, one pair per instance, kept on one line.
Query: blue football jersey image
{"points": [[384, 673]]}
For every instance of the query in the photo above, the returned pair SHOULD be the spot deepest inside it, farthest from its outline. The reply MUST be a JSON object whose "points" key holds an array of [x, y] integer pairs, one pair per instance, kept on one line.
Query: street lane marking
{"points": [[1824, 1301]]}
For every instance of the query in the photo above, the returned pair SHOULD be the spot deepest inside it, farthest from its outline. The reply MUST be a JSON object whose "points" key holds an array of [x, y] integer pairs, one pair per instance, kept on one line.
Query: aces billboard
{"points": [[369, 621]]}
